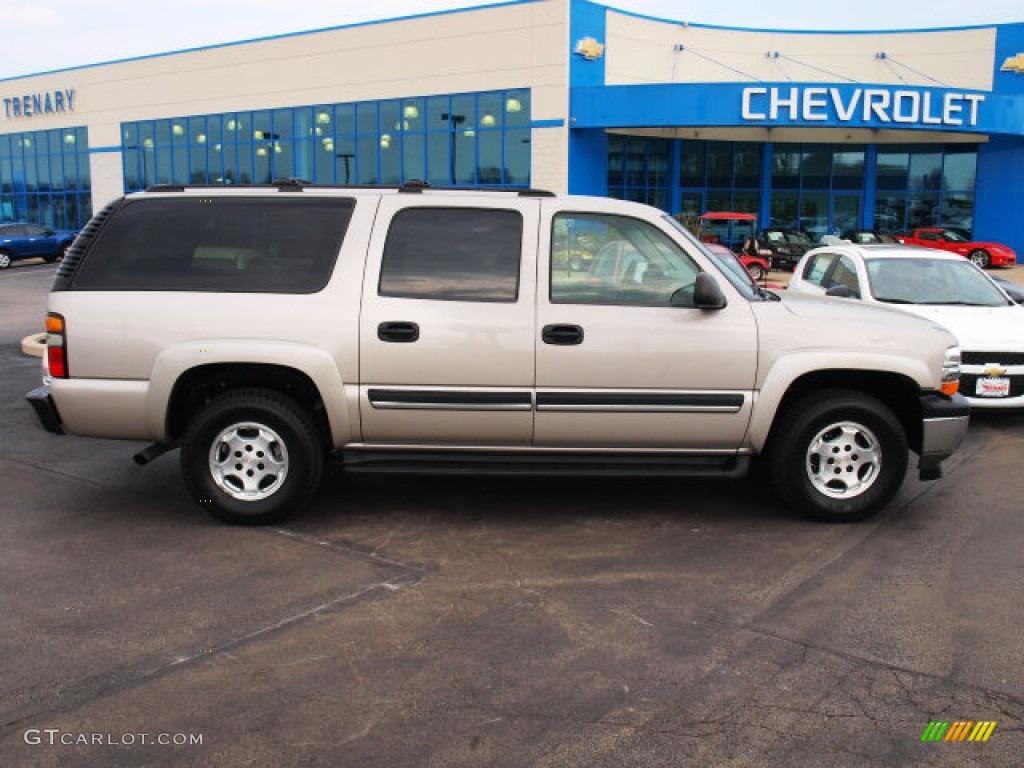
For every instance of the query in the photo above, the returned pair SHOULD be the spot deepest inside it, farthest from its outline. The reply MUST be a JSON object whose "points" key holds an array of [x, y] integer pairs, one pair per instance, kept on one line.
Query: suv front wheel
{"points": [[838, 455], [252, 457]]}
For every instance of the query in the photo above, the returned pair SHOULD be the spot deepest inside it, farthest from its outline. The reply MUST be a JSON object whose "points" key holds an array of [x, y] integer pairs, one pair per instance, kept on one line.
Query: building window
{"points": [[719, 176], [44, 178], [474, 139], [638, 170], [925, 186], [817, 188]]}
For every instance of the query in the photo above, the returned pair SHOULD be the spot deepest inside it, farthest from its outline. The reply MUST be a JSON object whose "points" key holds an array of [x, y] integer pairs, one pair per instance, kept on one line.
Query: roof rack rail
{"points": [[417, 186], [166, 188]]}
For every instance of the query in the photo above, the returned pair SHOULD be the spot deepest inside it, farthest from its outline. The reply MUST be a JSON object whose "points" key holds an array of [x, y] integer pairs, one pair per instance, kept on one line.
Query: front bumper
{"points": [[42, 403], [944, 425]]}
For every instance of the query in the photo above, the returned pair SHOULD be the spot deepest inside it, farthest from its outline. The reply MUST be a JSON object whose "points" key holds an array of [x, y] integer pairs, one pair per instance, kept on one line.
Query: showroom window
{"points": [[473, 139], [638, 170], [925, 186], [718, 176], [817, 188], [44, 178]]}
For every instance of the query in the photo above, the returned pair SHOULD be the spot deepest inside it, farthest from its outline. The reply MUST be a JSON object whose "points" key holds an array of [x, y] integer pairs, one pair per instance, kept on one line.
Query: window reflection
{"points": [[475, 139], [44, 178]]}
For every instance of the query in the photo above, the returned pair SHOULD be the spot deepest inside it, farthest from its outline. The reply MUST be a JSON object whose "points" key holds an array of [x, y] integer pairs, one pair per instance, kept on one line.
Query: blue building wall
{"points": [[996, 117]]}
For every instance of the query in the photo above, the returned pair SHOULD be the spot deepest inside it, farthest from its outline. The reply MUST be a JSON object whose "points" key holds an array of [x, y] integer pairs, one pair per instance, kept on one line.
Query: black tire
{"points": [[756, 271], [838, 455], [279, 452], [980, 258]]}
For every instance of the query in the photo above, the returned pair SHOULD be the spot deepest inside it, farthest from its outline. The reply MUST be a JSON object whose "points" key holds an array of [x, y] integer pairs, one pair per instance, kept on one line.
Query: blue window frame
{"points": [[45, 179], [470, 139], [924, 186]]}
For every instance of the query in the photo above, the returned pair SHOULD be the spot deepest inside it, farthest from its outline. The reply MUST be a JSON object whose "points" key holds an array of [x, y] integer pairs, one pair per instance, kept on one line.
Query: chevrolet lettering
{"points": [[861, 105]]}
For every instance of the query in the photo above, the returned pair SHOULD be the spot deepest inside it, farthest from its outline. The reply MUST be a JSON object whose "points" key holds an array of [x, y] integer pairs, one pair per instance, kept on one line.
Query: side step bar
{"points": [[497, 463]]}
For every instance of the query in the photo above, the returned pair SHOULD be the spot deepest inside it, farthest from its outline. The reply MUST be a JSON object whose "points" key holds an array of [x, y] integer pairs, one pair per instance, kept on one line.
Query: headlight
{"points": [[951, 371]]}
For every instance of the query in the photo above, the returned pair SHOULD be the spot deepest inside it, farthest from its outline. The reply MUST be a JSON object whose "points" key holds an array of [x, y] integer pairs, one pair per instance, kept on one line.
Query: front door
{"points": [[618, 367]]}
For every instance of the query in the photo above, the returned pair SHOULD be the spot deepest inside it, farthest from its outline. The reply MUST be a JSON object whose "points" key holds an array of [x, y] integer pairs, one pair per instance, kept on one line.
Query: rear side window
{"points": [[216, 244], [453, 254]]}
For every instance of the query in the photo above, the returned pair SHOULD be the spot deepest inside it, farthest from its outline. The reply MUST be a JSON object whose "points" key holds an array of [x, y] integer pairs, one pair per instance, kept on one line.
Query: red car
{"points": [[982, 254], [736, 226]]}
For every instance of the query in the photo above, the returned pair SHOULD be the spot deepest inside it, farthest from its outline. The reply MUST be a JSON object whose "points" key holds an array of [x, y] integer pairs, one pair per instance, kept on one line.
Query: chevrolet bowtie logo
{"points": [[589, 49], [1014, 64]]}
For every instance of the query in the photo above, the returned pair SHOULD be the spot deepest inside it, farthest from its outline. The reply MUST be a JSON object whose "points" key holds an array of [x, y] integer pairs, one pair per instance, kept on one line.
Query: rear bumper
{"points": [[46, 410], [944, 425]]}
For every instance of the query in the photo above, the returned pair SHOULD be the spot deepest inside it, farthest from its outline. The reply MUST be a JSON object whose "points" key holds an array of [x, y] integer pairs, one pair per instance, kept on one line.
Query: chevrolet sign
{"points": [[861, 105]]}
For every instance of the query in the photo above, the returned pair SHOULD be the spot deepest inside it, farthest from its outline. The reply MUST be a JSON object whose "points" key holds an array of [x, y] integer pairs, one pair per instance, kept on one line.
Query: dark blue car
{"points": [[19, 240]]}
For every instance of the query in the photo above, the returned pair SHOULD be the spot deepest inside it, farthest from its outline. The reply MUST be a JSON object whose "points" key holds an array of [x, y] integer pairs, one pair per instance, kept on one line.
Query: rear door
{"points": [[447, 323]]}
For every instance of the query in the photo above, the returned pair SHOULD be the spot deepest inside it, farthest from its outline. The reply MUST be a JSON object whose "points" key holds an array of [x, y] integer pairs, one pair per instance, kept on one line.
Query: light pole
{"points": [[454, 121]]}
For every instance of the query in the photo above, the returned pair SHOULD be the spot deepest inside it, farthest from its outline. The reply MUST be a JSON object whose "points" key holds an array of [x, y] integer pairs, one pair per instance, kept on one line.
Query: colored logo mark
{"points": [[958, 730], [1014, 64]]}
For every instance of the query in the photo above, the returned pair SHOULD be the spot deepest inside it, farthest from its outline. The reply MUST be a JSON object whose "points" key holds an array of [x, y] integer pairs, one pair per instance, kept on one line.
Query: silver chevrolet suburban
{"points": [[451, 331]]}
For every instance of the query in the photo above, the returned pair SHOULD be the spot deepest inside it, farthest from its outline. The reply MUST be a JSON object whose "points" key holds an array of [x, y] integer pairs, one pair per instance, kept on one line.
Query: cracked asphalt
{"points": [[495, 622]]}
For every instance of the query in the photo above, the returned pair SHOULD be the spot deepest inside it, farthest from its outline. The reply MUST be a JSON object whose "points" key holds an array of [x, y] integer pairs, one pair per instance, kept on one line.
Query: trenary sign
{"points": [[874, 106], [45, 103]]}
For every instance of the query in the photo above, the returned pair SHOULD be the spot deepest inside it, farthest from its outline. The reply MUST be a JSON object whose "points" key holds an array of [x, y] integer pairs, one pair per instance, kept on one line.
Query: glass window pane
{"points": [[464, 156], [491, 110], [892, 170], [517, 108], [719, 159], [747, 164], [344, 150], [414, 157], [923, 210], [816, 169], [366, 118], [489, 159], [785, 169], [959, 170], [390, 158], [439, 164], [925, 170], [366, 159], [517, 156], [848, 169], [453, 254], [814, 214], [691, 164]]}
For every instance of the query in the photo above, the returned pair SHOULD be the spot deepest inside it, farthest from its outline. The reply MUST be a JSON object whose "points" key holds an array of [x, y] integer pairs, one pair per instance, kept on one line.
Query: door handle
{"points": [[562, 335], [399, 332]]}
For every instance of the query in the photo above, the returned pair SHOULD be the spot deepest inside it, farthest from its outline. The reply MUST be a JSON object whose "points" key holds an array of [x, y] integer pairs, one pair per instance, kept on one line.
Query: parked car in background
{"points": [[936, 285], [21, 240], [784, 246], [984, 254], [866, 236], [756, 267]]}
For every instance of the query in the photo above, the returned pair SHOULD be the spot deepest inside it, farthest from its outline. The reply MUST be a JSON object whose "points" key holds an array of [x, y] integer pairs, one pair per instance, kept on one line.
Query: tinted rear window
{"points": [[215, 244], [453, 254]]}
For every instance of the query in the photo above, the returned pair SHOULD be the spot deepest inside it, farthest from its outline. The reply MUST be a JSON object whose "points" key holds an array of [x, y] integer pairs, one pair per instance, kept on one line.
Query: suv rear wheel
{"points": [[252, 456], [838, 455]]}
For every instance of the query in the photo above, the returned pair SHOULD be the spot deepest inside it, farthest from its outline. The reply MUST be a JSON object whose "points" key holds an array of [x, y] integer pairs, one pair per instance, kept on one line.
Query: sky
{"points": [[46, 35]]}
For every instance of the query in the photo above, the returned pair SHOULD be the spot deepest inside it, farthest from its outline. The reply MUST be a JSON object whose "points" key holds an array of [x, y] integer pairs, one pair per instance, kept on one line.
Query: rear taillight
{"points": [[56, 346]]}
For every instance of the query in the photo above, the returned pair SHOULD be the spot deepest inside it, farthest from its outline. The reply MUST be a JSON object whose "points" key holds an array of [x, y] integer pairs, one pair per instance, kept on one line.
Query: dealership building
{"points": [[817, 130]]}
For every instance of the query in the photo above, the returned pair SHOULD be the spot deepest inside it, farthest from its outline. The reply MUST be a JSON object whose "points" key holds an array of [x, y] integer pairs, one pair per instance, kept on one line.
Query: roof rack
{"points": [[412, 186]]}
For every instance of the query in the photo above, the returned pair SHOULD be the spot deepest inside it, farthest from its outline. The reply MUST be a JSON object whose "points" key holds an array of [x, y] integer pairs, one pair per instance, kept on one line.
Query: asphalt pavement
{"points": [[495, 622]]}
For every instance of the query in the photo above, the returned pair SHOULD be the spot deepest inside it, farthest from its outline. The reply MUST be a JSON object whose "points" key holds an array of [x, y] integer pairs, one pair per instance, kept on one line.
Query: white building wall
{"points": [[643, 51], [514, 46]]}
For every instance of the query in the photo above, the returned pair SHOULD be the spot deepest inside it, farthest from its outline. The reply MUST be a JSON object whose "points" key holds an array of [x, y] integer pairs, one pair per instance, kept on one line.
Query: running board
{"points": [[604, 464]]}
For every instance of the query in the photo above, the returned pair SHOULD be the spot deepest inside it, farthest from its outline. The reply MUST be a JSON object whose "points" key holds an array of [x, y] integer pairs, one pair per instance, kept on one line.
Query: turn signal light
{"points": [[56, 346], [950, 388]]}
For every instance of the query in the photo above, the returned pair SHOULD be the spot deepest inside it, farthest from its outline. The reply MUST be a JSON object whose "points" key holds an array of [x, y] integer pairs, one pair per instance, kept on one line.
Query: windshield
{"points": [[931, 281], [739, 278], [953, 236]]}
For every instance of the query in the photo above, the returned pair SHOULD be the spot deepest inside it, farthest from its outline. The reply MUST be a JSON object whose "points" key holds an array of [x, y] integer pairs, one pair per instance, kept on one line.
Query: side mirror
{"points": [[843, 292], [707, 294]]}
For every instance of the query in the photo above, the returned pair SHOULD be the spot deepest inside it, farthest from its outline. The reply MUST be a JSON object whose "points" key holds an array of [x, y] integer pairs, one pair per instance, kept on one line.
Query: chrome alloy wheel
{"points": [[844, 460], [248, 461]]}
